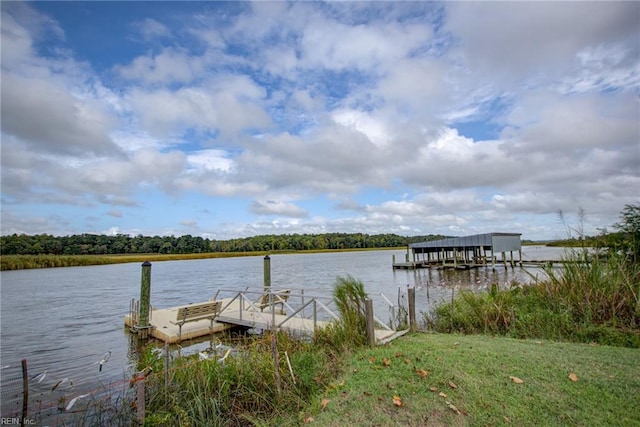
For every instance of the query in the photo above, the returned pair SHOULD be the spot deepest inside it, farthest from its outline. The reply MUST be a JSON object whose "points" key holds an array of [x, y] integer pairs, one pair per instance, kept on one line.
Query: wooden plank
{"points": [[198, 311]]}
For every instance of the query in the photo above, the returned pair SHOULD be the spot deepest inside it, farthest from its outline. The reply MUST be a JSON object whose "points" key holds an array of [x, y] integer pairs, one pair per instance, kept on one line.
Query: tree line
{"points": [[98, 244]]}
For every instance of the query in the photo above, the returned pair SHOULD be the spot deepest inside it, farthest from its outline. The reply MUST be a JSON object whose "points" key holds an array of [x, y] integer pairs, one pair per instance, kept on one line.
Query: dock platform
{"points": [[236, 313], [163, 327]]}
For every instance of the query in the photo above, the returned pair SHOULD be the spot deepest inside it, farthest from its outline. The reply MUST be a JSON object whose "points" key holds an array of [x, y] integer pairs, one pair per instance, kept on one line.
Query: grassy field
{"points": [[459, 380]]}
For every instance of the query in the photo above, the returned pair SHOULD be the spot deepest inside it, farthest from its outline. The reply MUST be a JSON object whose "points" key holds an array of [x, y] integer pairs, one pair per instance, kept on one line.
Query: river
{"points": [[64, 320]]}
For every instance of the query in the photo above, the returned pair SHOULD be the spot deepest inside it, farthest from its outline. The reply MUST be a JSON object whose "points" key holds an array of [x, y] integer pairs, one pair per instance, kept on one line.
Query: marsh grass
{"points": [[244, 390], [349, 296], [589, 299], [240, 391], [23, 262]]}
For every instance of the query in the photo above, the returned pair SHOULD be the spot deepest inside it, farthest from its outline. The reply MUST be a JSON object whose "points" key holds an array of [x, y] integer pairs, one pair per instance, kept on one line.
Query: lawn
{"points": [[458, 380]]}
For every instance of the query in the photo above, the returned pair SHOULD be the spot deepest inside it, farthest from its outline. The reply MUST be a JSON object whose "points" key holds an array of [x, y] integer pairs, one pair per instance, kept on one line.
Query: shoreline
{"points": [[28, 262]]}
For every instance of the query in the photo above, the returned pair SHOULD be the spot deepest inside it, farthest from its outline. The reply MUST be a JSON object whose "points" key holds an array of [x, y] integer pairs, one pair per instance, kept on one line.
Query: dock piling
{"points": [[145, 301], [267, 271]]}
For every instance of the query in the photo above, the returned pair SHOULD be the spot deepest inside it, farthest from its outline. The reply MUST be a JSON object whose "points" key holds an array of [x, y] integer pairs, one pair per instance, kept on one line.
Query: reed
{"points": [[350, 332], [248, 389], [589, 299], [242, 390]]}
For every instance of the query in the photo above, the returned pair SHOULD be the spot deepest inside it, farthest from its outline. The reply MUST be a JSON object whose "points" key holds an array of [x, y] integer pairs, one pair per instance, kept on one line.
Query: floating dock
{"points": [[238, 312], [259, 308], [163, 325]]}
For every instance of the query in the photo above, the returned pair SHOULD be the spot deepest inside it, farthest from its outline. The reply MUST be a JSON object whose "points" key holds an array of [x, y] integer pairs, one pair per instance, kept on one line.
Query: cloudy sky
{"points": [[234, 119]]}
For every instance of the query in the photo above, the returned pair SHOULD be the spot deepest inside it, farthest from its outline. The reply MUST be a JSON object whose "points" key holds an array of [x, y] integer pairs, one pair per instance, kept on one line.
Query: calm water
{"points": [[63, 320]]}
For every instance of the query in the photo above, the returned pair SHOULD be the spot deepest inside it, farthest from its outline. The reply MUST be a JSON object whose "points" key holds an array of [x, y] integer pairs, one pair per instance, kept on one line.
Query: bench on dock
{"points": [[279, 297], [194, 312]]}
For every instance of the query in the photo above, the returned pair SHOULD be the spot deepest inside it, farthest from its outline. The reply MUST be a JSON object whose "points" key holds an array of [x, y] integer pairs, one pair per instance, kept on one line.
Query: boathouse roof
{"points": [[496, 242]]}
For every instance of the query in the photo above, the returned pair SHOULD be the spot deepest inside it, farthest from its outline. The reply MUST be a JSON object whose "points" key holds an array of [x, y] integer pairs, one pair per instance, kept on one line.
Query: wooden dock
{"points": [[450, 265], [462, 265], [236, 313]]}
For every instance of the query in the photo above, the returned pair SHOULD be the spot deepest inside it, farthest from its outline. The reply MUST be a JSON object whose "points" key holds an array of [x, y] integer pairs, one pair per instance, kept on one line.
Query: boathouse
{"points": [[465, 252]]}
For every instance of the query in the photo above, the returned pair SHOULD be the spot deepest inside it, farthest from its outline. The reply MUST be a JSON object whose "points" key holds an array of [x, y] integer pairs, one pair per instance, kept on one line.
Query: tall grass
{"points": [[349, 296], [589, 299], [249, 389], [241, 391]]}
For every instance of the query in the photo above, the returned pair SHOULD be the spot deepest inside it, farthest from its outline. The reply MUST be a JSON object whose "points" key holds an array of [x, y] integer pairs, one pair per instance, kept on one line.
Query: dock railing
{"points": [[134, 311], [298, 305]]}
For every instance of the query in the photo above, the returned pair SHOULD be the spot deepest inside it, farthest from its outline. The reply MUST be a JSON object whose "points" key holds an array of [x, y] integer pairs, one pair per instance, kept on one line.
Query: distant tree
{"points": [[125, 244]]}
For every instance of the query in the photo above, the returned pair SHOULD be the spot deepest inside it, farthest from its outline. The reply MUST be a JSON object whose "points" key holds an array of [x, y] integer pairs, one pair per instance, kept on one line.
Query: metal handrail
{"points": [[315, 312], [307, 300]]}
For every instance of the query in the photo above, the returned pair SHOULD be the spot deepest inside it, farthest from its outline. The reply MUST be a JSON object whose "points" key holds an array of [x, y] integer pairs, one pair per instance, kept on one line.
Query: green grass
{"points": [[607, 391]]}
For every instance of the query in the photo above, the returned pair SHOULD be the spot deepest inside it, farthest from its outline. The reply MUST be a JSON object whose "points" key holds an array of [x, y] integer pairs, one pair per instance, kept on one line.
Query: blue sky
{"points": [[231, 119]]}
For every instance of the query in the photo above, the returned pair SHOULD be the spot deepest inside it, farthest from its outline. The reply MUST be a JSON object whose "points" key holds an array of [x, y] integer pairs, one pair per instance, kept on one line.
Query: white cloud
{"points": [[45, 114], [368, 124], [151, 29], [167, 67], [518, 39], [335, 46], [277, 207], [307, 104], [228, 104], [210, 160]]}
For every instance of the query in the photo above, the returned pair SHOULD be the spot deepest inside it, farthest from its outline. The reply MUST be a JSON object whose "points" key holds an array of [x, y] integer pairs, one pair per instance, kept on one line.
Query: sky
{"points": [[234, 119]]}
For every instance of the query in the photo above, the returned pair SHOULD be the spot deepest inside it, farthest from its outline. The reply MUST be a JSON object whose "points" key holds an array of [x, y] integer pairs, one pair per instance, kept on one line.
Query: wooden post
{"points": [[452, 304], [267, 271], [412, 308], [25, 391], [166, 370], [140, 404], [145, 300], [371, 333], [493, 260], [276, 364]]}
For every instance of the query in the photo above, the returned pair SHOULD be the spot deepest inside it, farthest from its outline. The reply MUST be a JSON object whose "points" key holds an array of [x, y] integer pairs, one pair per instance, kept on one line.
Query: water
{"points": [[63, 320]]}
